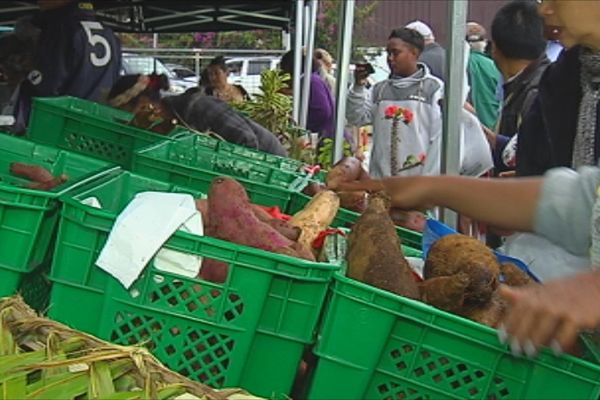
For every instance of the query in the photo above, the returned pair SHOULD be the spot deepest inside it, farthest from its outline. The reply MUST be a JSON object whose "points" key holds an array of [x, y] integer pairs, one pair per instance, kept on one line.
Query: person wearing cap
{"points": [[433, 55], [483, 77]]}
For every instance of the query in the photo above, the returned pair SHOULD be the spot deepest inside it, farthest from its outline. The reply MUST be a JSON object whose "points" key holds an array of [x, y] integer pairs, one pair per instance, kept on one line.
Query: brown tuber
{"points": [[459, 253], [374, 252]]}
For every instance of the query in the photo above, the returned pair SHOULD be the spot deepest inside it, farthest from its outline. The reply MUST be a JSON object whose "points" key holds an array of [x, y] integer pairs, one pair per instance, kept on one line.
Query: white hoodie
{"points": [[421, 93]]}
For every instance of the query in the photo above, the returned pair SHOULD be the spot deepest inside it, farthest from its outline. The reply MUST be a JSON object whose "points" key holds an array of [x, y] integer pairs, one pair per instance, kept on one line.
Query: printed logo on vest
{"points": [[35, 77]]}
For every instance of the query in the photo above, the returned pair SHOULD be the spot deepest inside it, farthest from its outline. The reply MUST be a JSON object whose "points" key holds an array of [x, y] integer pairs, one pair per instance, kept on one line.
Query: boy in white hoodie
{"points": [[410, 86]]}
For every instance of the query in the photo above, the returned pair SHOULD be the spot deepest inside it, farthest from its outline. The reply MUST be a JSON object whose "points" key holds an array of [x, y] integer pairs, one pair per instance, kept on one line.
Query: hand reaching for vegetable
{"points": [[407, 193], [552, 314]]}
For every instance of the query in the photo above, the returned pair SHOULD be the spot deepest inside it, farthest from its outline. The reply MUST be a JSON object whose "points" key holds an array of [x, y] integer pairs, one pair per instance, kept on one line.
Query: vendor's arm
{"points": [[505, 203]]}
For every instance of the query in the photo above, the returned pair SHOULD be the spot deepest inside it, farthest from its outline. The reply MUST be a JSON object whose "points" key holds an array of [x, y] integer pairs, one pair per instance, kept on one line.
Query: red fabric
{"points": [[320, 240], [276, 213]]}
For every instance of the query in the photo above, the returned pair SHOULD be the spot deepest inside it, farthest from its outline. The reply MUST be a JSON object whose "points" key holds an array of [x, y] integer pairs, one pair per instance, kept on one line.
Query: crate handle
{"points": [[90, 178]]}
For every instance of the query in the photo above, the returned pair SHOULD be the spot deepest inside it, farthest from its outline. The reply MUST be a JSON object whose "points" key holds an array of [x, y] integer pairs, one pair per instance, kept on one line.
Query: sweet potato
{"points": [[48, 185], [445, 292], [316, 216], [231, 217], [374, 253], [32, 172], [348, 169], [355, 201], [458, 253], [514, 276], [414, 220], [283, 227], [313, 188]]}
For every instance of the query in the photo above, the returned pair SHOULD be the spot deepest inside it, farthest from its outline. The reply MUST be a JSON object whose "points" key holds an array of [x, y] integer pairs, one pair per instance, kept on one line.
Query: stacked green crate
{"points": [[89, 128], [250, 331], [28, 217]]}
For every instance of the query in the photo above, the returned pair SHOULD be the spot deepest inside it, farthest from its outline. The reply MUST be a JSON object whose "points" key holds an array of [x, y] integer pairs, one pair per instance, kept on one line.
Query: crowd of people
{"points": [[529, 110]]}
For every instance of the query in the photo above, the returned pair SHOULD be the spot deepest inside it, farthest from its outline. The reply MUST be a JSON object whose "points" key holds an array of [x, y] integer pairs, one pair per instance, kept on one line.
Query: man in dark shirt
{"points": [[76, 56]]}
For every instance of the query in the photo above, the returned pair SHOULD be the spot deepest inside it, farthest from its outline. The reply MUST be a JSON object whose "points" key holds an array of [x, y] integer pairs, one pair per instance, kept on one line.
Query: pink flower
{"points": [[390, 112], [407, 116], [421, 157]]}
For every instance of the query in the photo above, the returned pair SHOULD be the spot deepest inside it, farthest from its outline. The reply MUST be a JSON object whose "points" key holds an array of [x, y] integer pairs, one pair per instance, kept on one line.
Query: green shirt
{"points": [[484, 78]]}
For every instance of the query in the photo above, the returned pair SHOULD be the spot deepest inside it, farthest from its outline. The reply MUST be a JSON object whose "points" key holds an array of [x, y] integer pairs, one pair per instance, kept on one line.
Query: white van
{"points": [[246, 71]]}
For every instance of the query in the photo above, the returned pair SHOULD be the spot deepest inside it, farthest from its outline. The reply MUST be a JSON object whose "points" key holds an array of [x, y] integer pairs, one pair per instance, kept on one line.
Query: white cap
{"points": [[422, 28]]}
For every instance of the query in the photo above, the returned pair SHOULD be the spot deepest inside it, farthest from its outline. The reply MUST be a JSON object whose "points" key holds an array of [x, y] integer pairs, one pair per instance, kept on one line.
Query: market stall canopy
{"points": [[176, 15]]}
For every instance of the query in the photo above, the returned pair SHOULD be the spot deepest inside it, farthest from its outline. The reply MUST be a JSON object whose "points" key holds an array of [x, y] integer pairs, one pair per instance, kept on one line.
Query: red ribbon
{"points": [[320, 240]]}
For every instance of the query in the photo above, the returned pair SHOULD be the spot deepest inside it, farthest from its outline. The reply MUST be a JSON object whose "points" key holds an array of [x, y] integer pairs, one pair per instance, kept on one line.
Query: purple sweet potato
{"points": [[348, 169], [231, 217], [283, 227]]}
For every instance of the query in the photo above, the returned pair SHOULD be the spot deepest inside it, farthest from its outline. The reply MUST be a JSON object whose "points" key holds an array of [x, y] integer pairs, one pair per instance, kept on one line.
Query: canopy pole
{"points": [[308, 59], [342, 75], [298, 31], [455, 65]]}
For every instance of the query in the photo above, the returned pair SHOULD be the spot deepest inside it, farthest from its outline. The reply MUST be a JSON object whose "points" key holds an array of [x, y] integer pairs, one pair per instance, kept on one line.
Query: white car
{"points": [[246, 71], [141, 64]]}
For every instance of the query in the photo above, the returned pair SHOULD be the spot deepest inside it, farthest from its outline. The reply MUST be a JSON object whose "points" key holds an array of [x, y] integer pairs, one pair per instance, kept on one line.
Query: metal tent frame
{"points": [[176, 15]]}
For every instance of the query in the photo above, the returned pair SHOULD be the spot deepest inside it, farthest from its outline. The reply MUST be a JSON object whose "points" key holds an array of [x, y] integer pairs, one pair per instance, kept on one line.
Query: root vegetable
{"points": [[514, 276], [316, 216], [489, 314], [231, 217], [458, 253], [283, 227], [32, 172], [348, 169], [374, 252], [445, 292], [48, 185]]}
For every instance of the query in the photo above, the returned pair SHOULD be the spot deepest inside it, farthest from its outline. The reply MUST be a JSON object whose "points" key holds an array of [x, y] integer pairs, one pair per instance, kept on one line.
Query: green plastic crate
{"points": [[249, 332], [28, 218], [376, 345], [89, 128], [190, 154]]}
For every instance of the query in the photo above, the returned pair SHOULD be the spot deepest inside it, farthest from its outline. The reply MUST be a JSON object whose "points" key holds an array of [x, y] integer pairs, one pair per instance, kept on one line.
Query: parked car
{"points": [[182, 72], [246, 71], [139, 64]]}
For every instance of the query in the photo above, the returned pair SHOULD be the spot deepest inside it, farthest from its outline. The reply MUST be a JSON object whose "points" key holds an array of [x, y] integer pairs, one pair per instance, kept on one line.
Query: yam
{"points": [[374, 252], [489, 314], [459, 253], [445, 292], [514, 276], [316, 216]]}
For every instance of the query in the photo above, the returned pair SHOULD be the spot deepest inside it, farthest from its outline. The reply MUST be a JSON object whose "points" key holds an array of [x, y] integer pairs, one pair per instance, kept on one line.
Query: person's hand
{"points": [[490, 136], [550, 315], [407, 193], [360, 75]]}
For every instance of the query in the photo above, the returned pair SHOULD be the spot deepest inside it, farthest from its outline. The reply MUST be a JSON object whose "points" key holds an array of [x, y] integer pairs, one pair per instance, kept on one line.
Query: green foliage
{"points": [[327, 24], [325, 158], [272, 109]]}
